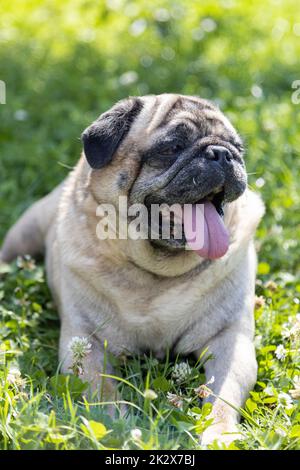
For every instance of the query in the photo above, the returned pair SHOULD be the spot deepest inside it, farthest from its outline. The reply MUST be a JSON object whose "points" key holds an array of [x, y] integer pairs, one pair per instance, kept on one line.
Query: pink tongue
{"points": [[216, 237]]}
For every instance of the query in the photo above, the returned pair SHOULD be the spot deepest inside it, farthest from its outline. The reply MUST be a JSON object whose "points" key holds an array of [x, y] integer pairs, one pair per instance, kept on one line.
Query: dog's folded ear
{"points": [[102, 138]]}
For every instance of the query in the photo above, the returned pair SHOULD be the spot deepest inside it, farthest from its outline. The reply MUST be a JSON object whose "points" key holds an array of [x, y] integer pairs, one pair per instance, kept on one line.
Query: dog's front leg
{"points": [[234, 369]]}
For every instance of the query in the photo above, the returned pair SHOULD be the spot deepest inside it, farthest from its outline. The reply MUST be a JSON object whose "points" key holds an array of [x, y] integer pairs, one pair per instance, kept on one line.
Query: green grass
{"points": [[63, 64]]}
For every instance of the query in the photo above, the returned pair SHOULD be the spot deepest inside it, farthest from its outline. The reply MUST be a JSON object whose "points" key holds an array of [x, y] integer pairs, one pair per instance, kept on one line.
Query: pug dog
{"points": [[153, 295]]}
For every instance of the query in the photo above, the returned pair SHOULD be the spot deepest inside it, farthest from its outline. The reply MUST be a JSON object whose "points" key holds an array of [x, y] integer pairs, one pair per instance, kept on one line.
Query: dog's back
{"points": [[27, 235]]}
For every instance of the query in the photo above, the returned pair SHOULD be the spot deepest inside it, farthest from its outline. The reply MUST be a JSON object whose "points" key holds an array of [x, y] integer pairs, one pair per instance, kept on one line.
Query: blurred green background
{"points": [[65, 62]]}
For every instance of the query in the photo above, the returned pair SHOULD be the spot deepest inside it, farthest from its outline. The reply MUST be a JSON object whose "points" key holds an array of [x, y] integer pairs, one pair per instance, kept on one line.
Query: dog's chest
{"points": [[155, 317]]}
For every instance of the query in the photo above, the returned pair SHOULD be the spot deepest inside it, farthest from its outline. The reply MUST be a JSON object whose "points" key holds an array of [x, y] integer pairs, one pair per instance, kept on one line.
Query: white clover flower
{"points": [[269, 391], [136, 434], [281, 432], [79, 347], [175, 400], [295, 392], [181, 372], [259, 301], [285, 332], [291, 330], [295, 330], [271, 285], [280, 352], [286, 400], [14, 376], [204, 391]]}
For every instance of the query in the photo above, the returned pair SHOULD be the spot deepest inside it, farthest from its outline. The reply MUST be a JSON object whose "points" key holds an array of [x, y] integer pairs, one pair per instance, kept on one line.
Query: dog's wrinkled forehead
{"points": [[136, 122], [193, 115]]}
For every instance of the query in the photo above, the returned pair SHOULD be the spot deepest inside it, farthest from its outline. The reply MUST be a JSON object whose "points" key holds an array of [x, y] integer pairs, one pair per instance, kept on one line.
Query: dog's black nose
{"points": [[218, 153]]}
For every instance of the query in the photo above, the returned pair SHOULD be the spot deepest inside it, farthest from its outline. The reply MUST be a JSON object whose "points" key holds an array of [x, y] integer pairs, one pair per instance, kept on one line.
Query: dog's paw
{"points": [[221, 433]]}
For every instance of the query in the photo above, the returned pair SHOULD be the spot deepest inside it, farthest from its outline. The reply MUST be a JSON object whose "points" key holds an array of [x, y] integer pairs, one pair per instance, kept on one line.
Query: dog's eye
{"points": [[163, 155], [171, 150]]}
